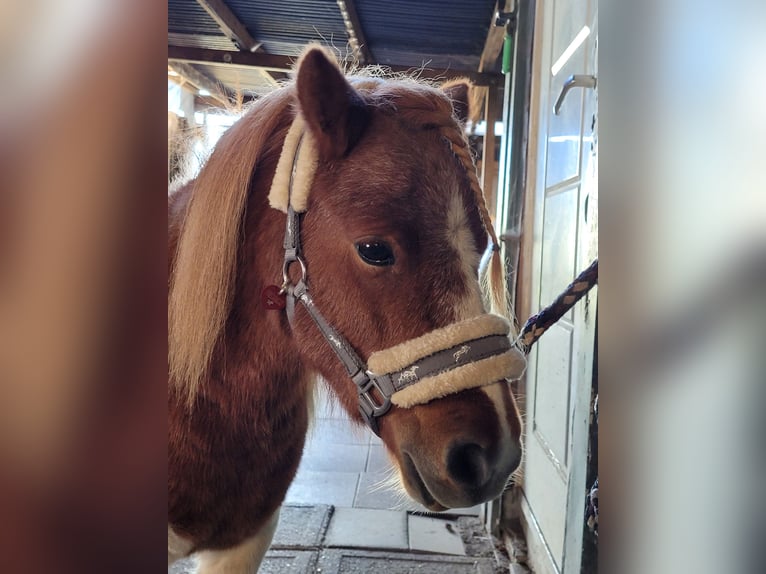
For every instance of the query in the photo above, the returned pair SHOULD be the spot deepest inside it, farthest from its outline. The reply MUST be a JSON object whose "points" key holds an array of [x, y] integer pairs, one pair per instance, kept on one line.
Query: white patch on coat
{"points": [[241, 559], [178, 546], [462, 240], [495, 394]]}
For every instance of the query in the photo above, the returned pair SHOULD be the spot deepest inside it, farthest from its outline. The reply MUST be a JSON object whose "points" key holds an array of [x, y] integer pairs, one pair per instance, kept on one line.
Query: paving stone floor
{"points": [[322, 539]]}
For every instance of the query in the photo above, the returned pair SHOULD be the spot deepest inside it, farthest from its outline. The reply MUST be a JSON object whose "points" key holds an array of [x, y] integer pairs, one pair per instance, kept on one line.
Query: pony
{"points": [[370, 186]]}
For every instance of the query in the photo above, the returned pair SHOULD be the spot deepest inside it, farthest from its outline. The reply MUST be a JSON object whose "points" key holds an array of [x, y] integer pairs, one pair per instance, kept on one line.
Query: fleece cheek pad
{"points": [[456, 341], [295, 171]]}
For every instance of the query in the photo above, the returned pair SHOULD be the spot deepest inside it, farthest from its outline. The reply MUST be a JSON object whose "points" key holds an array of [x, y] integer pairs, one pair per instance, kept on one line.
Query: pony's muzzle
{"points": [[480, 475], [471, 475]]}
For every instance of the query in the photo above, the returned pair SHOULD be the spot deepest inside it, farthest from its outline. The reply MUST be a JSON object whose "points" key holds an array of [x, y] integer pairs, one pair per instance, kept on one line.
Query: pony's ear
{"points": [[458, 91], [334, 111]]}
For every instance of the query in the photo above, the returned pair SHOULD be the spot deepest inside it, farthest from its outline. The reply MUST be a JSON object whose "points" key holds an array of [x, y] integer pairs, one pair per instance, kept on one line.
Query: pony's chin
{"points": [[422, 495], [416, 487], [436, 507]]}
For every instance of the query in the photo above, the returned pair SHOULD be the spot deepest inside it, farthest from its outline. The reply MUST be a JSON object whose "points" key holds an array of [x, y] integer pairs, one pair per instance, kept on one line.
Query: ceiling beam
{"points": [[237, 32], [356, 36], [202, 82], [260, 60], [230, 24], [285, 64]]}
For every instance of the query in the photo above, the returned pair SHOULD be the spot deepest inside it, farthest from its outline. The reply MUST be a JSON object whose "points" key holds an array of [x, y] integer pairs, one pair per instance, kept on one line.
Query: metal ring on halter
{"points": [[370, 409], [286, 281]]}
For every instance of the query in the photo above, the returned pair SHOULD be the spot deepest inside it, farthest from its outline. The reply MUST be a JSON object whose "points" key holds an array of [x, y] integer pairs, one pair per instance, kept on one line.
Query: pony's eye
{"points": [[375, 252]]}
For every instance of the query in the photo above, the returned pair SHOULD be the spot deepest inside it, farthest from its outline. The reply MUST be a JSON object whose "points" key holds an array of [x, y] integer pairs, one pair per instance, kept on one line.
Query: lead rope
{"points": [[538, 324]]}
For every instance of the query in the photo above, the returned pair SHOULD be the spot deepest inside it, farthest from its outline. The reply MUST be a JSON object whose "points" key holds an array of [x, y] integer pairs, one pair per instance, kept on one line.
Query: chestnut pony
{"points": [[391, 235]]}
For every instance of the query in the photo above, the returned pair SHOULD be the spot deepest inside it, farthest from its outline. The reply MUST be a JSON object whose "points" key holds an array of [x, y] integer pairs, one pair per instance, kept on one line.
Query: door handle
{"points": [[576, 81]]}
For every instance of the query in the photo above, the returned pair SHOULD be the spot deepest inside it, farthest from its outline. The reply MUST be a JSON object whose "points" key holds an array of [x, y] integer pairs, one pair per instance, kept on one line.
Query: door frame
{"points": [[525, 120]]}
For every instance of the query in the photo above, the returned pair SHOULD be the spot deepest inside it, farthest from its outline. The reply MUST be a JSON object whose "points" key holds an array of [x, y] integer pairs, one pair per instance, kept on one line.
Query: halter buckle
{"points": [[289, 260], [369, 407], [377, 409]]}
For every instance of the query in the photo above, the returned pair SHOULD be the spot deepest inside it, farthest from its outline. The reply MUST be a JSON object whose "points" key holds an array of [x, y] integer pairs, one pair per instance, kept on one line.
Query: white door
{"points": [[563, 178]]}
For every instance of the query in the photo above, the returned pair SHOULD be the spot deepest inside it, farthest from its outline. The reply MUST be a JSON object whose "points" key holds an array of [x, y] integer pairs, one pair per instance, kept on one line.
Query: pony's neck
{"points": [[257, 351]]}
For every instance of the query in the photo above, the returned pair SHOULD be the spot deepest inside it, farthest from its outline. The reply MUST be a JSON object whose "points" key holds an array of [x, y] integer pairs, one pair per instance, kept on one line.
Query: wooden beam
{"points": [[230, 24], [202, 82], [355, 32], [260, 60], [237, 32], [494, 41], [285, 64], [489, 165]]}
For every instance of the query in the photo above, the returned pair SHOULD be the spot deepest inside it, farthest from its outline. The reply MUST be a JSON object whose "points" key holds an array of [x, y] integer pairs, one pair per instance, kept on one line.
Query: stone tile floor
{"points": [[361, 540], [314, 539], [347, 466]]}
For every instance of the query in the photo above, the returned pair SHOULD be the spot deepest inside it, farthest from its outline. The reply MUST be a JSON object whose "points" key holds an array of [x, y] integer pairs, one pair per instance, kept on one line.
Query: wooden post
{"points": [[489, 163]]}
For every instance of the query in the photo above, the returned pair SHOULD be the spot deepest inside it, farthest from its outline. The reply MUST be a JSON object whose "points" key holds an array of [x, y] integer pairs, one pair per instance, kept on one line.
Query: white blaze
{"points": [[460, 237]]}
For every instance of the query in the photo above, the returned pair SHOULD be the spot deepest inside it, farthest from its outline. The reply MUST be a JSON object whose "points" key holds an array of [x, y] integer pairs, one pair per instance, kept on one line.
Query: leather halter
{"points": [[433, 364]]}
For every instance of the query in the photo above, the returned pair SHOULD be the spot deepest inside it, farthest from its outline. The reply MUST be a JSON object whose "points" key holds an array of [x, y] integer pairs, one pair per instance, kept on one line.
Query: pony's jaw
{"points": [[458, 451]]}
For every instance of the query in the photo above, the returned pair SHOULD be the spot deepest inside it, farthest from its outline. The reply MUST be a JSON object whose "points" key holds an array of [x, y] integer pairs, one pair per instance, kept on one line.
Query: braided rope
{"points": [[537, 324], [461, 148]]}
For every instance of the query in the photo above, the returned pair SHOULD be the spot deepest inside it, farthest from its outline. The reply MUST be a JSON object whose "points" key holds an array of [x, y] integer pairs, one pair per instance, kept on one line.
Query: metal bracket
{"points": [[502, 17]]}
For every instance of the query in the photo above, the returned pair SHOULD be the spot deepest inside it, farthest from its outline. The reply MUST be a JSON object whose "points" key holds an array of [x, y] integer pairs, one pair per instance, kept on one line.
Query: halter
{"points": [[463, 355]]}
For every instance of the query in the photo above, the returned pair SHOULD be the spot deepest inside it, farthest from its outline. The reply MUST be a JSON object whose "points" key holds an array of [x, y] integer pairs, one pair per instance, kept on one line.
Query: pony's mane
{"points": [[204, 270]]}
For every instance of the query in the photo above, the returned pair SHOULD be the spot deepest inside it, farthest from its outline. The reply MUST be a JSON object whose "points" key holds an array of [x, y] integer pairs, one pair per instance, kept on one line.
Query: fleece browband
{"points": [[461, 356], [464, 355]]}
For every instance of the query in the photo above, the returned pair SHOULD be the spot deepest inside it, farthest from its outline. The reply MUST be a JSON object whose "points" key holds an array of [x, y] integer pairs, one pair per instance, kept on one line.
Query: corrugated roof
{"points": [[199, 41], [190, 25], [284, 27], [410, 33]]}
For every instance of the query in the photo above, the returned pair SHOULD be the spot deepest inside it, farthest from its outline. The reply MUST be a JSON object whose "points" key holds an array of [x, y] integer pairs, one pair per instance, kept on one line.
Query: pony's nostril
{"points": [[467, 464]]}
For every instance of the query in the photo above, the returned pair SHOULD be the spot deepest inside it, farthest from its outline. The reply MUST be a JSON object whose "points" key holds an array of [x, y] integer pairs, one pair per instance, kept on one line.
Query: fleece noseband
{"points": [[464, 355]]}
